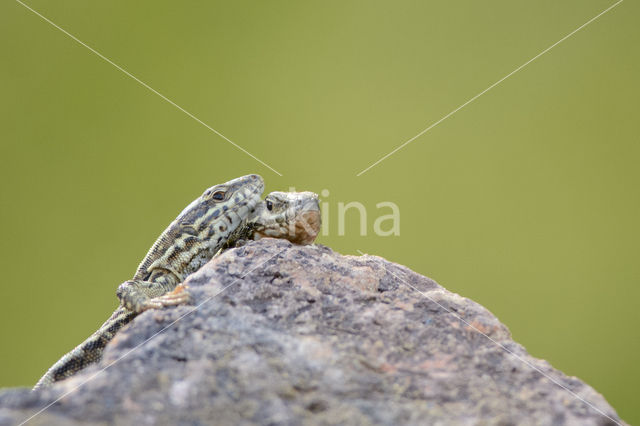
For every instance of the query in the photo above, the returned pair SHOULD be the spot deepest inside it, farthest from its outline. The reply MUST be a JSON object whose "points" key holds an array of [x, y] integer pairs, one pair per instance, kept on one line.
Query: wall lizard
{"points": [[191, 240], [294, 216]]}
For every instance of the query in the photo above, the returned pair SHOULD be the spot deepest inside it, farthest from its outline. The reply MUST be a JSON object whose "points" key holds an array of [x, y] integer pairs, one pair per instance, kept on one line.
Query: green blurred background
{"points": [[525, 201]]}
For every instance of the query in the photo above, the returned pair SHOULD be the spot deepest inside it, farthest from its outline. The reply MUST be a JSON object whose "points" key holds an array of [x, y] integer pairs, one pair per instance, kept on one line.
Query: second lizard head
{"points": [[294, 216]]}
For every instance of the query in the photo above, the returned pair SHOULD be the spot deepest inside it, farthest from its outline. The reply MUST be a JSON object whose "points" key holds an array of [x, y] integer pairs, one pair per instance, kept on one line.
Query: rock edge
{"points": [[286, 334]]}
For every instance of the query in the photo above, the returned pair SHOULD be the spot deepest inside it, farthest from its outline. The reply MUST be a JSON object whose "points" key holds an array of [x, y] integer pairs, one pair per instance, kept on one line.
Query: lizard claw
{"points": [[179, 296]]}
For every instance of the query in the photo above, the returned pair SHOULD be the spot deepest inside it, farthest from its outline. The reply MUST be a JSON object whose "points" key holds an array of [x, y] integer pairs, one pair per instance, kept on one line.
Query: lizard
{"points": [[191, 240], [294, 216]]}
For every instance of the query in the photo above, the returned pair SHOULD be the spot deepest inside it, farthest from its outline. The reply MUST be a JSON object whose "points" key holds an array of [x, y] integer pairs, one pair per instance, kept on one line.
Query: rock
{"points": [[286, 334]]}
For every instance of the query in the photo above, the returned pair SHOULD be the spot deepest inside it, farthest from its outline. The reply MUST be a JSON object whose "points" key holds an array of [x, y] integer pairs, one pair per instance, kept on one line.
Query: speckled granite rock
{"points": [[287, 334]]}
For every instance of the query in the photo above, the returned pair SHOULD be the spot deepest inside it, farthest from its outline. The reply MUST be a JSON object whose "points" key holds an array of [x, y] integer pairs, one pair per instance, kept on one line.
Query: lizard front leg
{"points": [[138, 295]]}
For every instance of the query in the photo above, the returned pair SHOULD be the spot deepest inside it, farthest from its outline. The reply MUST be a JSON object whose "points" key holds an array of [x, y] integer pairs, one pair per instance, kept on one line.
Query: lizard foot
{"points": [[179, 296]]}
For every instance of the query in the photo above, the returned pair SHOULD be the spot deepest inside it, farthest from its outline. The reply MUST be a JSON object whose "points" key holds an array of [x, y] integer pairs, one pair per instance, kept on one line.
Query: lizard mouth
{"points": [[307, 227], [252, 187], [304, 228], [300, 223]]}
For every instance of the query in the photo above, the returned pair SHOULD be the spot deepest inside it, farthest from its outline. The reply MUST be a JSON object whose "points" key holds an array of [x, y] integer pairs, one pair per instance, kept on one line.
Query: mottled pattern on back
{"points": [[193, 238]]}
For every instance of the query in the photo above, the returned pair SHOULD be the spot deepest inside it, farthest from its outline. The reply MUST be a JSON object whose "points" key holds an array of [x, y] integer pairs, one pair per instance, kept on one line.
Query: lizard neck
{"points": [[196, 235]]}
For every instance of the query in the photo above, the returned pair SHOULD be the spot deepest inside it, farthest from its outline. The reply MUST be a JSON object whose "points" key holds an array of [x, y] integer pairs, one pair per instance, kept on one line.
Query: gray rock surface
{"points": [[285, 334]]}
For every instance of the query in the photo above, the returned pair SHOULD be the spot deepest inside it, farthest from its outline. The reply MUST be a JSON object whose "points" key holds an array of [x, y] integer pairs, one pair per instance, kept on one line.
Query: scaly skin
{"points": [[189, 242], [294, 216]]}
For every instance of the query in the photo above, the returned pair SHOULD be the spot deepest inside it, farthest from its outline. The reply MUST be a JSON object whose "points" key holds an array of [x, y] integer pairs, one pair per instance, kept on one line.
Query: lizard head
{"points": [[235, 190], [222, 207], [294, 216]]}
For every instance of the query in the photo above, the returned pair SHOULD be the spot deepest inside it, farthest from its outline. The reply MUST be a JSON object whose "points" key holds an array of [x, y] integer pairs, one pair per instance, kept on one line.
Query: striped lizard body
{"points": [[190, 241]]}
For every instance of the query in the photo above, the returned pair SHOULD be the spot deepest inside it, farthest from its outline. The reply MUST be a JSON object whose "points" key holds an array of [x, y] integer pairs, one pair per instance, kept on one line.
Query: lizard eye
{"points": [[218, 195], [269, 205]]}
